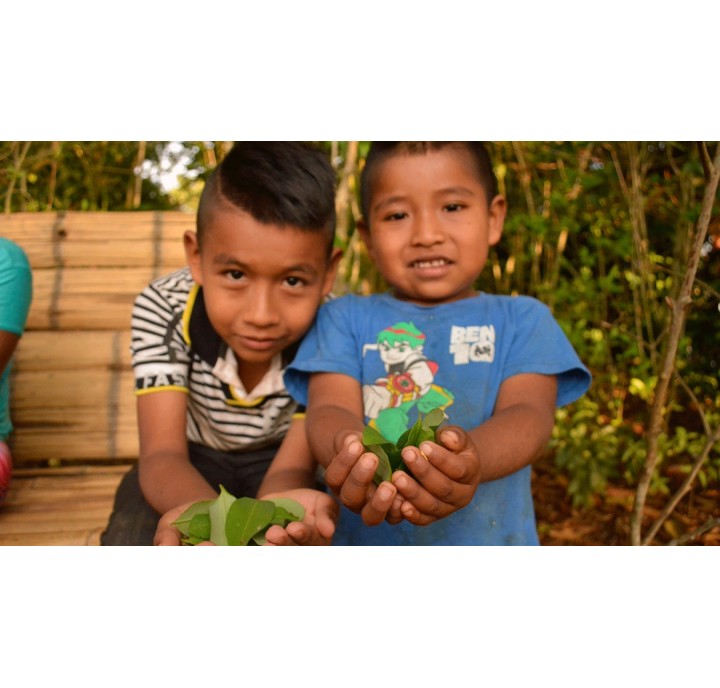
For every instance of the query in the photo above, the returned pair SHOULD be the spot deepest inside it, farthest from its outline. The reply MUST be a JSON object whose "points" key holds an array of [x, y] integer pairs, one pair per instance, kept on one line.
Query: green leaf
{"points": [[200, 527], [218, 514], [390, 453], [246, 517], [372, 436], [403, 440], [384, 469], [419, 433], [396, 460], [282, 517], [259, 539], [182, 523], [295, 508], [435, 418]]}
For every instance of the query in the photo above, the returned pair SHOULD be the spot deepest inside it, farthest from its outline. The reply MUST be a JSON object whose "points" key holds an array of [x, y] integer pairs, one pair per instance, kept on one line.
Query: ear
{"points": [[333, 264], [192, 256], [496, 219], [364, 230]]}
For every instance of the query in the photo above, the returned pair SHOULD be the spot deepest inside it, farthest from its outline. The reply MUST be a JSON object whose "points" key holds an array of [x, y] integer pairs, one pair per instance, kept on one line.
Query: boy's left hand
{"points": [[318, 526], [443, 481]]}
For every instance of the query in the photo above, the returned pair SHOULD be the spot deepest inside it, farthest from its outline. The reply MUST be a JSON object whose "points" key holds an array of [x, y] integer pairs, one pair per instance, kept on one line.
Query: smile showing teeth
{"points": [[434, 263]]}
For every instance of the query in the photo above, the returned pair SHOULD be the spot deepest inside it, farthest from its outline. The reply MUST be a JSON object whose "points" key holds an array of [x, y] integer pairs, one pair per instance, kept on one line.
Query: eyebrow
{"points": [[226, 260], [448, 191]]}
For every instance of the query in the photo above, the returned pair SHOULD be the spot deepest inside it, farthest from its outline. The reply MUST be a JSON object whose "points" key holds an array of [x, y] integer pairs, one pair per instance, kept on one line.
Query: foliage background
{"points": [[602, 232]]}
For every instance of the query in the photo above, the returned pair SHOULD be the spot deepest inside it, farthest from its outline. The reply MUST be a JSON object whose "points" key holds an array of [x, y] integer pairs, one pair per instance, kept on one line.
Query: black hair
{"points": [[382, 150], [277, 182]]}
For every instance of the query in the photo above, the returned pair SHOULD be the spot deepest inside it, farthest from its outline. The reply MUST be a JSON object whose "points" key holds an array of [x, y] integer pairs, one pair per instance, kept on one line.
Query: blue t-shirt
{"points": [[15, 297], [411, 358]]}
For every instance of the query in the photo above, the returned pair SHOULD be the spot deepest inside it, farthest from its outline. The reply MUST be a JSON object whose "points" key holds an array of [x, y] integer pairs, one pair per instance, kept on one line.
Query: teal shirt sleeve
{"points": [[15, 287], [15, 298]]}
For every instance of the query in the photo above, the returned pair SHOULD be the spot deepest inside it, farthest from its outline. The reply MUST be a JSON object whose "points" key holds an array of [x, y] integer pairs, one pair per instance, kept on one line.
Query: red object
{"points": [[5, 470]]}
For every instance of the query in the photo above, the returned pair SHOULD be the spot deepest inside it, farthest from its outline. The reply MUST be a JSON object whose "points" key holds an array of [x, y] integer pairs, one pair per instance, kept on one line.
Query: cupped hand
{"points": [[350, 475], [445, 476], [318, 525]]}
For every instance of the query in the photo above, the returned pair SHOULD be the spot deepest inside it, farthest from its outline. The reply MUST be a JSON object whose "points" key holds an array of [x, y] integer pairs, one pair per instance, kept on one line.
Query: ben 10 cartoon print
{"points": [[409, 382]]}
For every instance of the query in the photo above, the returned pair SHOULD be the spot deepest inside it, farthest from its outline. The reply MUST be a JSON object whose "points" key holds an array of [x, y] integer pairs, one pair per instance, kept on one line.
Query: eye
{"points": [[453, 207], [395, 217], [235, 275], [295, 281]]}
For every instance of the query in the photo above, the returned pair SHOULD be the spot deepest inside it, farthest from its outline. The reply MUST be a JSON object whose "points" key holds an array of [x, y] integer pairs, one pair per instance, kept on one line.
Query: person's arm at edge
{"points": [[8, 343]]}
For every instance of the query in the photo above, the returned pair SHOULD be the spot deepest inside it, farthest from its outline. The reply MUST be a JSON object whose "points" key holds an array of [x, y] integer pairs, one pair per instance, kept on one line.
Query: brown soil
{"points": [[608, 521]]}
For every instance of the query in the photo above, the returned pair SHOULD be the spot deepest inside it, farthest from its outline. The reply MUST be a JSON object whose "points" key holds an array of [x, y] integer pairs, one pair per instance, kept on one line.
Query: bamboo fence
{"points": [[72, 395]]}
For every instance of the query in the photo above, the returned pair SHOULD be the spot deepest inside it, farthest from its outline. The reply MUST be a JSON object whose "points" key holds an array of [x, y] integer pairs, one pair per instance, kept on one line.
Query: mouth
{"points": [[430, 263], [258, 344]]}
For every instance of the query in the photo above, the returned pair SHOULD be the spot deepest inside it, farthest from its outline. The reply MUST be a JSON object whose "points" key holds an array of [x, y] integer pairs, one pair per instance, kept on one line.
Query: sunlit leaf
{"points": [[245, 518], [218, 513]]}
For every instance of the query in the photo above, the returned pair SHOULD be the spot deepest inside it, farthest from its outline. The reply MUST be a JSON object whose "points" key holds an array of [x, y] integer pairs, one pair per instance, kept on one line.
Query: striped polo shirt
{"points": [[174, 347]]}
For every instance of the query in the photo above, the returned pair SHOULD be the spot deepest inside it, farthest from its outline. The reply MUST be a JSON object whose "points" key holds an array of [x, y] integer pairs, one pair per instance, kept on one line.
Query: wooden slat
{"points": [[72, 350], [165, 256], [74, 447], [72, 389], [96, 226], [69, 506], [97, 299], [74, 415]]}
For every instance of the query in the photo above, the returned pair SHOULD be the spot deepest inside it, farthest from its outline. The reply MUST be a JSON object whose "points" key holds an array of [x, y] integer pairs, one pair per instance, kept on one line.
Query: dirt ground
{"points": [[608, 521]]}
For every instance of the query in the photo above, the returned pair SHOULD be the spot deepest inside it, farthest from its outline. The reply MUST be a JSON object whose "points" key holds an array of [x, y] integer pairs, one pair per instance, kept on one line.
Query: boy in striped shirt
{"points": [[211, 342]]}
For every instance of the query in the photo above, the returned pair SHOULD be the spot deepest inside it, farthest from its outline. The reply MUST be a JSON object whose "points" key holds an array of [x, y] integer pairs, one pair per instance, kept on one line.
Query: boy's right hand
{"points": [[350, 476]]}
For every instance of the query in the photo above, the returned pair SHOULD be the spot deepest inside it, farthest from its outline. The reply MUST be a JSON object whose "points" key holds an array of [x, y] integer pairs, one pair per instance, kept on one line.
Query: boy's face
{"points": [[429, 226], [262, 284]]}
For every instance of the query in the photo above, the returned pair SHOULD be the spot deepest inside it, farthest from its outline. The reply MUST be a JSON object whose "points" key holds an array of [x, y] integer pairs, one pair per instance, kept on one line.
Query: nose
{"points": [[260, 307], [427, 229]]}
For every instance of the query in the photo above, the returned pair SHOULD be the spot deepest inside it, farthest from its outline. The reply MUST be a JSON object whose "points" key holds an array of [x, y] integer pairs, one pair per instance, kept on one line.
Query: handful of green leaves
{"points": [[228, 520], [389, 453]]}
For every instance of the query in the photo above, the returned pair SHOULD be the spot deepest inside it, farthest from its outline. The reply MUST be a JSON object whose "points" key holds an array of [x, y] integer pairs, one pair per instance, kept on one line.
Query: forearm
{"points": [[512, 439], [168, 480], [330, 425]]}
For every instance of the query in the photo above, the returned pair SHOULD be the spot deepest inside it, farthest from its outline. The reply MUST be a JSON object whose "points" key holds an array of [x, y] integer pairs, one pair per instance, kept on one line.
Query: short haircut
{"points": [[380, 151], [285, 183]]}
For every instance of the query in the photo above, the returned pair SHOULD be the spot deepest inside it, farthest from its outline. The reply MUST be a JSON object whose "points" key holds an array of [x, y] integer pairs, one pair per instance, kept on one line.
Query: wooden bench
{"points": [[72, 401]]}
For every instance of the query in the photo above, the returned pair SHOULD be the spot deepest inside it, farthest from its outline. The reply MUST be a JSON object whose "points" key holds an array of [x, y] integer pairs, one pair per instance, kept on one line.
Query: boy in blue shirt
{"points": [[498, 366]]}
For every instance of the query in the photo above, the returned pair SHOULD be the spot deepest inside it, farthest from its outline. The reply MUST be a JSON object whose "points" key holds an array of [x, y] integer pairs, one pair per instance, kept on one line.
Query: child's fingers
{"points": [[380, 503], [166, 536], [430, 490], [325, 517], [461, 465], [420, 506], [277, 536], [358, 488], [342, 463]]}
